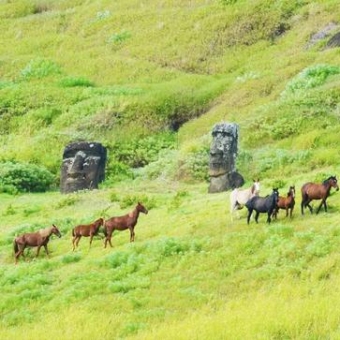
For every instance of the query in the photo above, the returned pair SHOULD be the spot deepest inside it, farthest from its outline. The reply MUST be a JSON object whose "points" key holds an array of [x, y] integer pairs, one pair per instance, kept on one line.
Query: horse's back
{"points": [[82, 230], [118, 222]]}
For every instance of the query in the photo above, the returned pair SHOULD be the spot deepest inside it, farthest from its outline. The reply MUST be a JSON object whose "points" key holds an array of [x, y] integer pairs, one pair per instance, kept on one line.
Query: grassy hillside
{"points": [[149, 80]]}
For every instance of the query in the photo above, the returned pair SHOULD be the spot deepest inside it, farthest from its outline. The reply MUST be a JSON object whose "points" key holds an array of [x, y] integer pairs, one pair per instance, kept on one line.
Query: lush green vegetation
{"points": [[149, 81]]}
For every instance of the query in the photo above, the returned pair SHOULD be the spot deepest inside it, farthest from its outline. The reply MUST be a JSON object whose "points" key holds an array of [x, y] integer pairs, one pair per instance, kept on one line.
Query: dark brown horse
{"points": [[37, 239], [262, 205], [127, 221], [86, 230], [286, 203], [314, 191]]}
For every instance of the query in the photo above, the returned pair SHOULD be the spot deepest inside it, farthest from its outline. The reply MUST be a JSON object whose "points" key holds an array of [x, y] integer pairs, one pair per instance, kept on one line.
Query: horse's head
{"points": [[291, 191], [255, 189], [140, 207], [275, 194], [55, 230], [100, 221], [333, 182]]}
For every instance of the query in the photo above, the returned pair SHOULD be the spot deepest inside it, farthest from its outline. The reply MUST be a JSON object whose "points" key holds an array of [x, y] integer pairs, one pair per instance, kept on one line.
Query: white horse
{"points": [[238, 198]]}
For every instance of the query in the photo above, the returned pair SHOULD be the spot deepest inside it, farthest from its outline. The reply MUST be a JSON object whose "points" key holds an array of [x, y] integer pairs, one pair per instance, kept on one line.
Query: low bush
{"points": [[24, 177]]}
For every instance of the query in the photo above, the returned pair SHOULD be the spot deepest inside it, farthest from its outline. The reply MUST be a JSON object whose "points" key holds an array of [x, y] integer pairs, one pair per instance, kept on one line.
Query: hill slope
{"points": [[149, 80]]}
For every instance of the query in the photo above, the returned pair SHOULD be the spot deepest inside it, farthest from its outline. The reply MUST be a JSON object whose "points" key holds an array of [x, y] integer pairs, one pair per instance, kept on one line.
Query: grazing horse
{"points": [[238, 198], [315, 191], [127, 221], [262, 205], [36, 239], [286, 203], [86, 230]]}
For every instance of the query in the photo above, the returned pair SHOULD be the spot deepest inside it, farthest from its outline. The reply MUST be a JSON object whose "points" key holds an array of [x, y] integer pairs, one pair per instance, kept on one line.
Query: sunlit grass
{"points": [[190, 272]]}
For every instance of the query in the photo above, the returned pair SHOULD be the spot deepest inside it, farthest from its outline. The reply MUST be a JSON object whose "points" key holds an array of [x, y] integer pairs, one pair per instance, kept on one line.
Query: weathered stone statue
{"points": [[223, 153], [83, 166]]}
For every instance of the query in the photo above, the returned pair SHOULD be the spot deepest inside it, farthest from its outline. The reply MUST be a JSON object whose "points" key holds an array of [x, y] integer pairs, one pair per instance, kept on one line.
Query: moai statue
{"points": [[83, 166], [223, 154]]}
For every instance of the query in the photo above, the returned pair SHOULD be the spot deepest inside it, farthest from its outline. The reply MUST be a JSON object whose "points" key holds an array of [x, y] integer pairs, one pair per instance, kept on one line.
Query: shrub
{"points": [[40, 68], [311, 77], [24, 177], [73, 82], [142, 151], [119, 38]]}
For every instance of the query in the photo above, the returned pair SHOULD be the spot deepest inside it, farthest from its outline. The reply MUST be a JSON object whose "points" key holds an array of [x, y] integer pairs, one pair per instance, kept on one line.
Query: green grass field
{"points": [[149, 80], [191, 273]]}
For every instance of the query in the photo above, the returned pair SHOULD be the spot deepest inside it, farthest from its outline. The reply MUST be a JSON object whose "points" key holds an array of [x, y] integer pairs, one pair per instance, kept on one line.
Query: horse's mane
{"points": [[45, 232], [328, 179]]}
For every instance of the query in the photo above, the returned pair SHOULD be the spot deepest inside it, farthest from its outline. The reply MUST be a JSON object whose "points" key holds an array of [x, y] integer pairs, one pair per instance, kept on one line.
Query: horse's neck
{"points": [[134, 214], [327, 186], [45, 232]]}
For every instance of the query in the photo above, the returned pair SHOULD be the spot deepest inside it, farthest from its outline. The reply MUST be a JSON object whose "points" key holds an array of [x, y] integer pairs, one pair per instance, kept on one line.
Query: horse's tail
{"points": [[15, 246], [73, 232]]}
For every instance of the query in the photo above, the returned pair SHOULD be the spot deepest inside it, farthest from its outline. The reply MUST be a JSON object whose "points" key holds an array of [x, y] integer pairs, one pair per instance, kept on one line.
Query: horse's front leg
{"points": [[323, 203], [269, 219], [250, 211], [91, 238], [132, 235], [46, 250], [257, 216]]}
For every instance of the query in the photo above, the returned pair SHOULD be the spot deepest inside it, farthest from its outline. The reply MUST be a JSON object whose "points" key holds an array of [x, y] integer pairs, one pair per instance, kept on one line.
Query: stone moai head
{"points": [[223, 154], [83, 166]]}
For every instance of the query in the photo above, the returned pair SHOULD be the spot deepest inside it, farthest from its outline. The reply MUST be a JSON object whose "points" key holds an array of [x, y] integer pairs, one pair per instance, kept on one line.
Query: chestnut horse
{"points": [[127, 221], [86, 230], [315, 191], [37, 239], [238, 198], [286, 203]]}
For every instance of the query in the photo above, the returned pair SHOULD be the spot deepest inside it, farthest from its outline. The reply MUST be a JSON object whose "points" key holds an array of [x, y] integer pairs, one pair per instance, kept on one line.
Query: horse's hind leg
{"points": [[73, 242], [309, 207], [77, 241], [18, 253]]}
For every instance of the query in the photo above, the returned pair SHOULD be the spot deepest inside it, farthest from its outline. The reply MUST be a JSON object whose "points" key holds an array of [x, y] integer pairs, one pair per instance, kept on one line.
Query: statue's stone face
{"points": [[83, 166], [223, 153], [223, 149]]}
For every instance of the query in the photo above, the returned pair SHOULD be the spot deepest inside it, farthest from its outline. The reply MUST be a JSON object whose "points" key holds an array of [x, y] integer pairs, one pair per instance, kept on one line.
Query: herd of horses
{"points": [[248, 198], [272, 203], [41, 238]]}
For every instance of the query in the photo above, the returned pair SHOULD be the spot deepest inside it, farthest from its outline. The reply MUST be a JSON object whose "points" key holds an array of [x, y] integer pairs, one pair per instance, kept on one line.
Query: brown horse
{"points": [[315, 191], [286, 203], [86, 230], [37, 239], [127, 221]]}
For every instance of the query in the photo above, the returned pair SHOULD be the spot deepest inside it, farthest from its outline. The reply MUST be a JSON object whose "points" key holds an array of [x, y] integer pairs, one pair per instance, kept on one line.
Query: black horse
{"points": [[263, 205]]}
